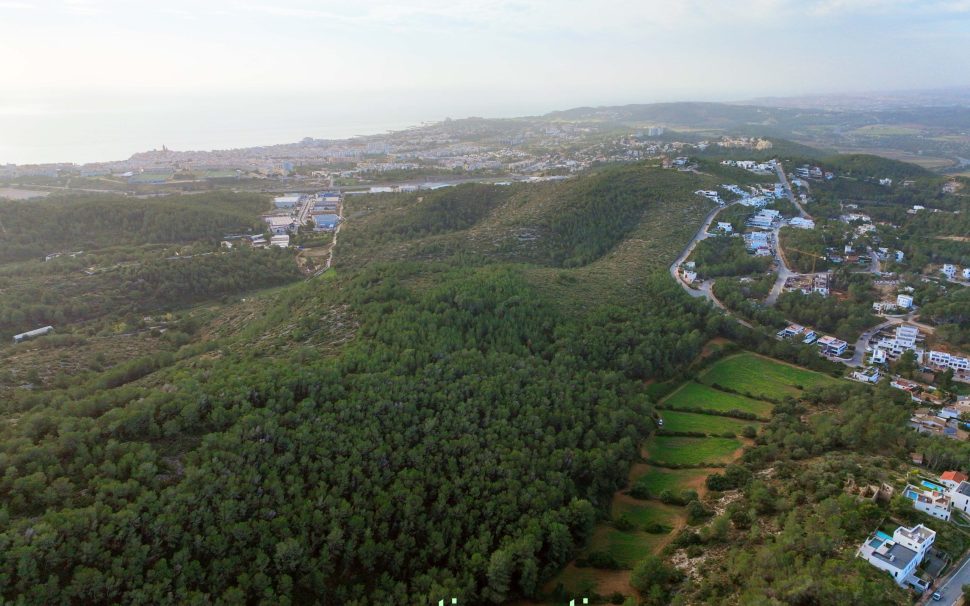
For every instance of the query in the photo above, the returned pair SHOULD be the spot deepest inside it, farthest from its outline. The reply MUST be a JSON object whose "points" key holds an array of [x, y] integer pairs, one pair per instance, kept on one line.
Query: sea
{"points": [[94, 128]]}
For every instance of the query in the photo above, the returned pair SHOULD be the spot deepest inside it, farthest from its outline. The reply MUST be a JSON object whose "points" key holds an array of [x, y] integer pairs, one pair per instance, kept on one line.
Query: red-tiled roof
{"points": [[954, 476]]}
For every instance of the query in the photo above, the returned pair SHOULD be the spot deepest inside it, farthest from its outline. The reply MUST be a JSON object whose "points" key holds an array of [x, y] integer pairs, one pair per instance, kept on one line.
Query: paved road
{"points": [[952, 587], [704, 288], [791, 195], [783, 272], [860, 345]]}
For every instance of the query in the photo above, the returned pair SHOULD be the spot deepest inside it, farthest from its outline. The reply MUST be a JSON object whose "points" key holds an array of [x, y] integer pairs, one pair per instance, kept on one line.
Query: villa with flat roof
{"points": [[931, 499], [900, 554]]}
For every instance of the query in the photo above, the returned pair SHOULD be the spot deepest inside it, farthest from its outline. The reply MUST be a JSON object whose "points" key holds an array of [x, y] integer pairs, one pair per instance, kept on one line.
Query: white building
{"points": [[867, 375], [949, 270], [952, 479], [942, 359], [280, 240], [831, 346], [280, 224], [904, 301], [906, 336], [966, 273], [725, 227], [801, 223], [961, 496], [932, 502], [900, 554]]}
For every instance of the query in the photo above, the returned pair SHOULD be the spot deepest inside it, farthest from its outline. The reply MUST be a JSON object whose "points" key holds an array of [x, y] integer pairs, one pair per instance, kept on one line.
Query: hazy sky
{"points": [[386, 63]]}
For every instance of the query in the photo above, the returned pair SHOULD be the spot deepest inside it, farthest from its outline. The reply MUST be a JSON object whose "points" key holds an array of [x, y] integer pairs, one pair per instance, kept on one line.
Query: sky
{"points": [[88, 77]]}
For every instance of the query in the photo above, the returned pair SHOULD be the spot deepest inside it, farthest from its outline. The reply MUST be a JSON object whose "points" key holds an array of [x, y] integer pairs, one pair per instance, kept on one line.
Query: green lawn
{"points": [[695, 395], [642, 513], [760, 376], [658, 479], [693, 422], [674, 450]]}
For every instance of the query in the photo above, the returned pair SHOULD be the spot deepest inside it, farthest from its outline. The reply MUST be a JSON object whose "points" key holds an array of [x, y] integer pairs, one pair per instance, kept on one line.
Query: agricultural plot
{"points": [[701, 397], [762, 377], [656, 480], [675, 421], [644, 513], [677, 451], [627, 547]]}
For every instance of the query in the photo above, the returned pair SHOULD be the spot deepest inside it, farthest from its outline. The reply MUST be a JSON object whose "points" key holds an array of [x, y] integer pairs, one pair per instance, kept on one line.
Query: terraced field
{"points": [[762, 377], [667, 455], [656, 480], [676, 421], [695, 396], [677, 451]]}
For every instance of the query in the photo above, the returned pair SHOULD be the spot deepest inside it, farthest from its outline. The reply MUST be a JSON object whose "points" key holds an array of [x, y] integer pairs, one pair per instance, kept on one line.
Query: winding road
{"points": [[706, 287]]}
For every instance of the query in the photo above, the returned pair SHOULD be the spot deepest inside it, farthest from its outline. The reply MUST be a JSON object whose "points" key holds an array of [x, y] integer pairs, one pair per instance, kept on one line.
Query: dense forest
{"points": [[487, 430], [37, 228]]}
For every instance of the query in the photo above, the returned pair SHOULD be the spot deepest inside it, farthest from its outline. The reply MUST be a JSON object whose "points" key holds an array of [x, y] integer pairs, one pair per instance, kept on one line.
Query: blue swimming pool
{"points": [[911, 495], [882, 535], [933, 486]]}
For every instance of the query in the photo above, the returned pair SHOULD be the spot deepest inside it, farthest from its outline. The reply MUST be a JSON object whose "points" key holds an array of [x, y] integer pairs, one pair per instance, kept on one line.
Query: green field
{"points": [[710, 424], [658, 479], [674, 450], [762, 377], [642, 513], [697, 396], [627, 547]]}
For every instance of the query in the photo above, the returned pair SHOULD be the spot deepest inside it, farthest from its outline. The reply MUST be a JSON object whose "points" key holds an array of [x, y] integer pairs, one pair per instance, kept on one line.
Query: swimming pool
{"points": [[882, 535], [933, 486], [911, 494]]}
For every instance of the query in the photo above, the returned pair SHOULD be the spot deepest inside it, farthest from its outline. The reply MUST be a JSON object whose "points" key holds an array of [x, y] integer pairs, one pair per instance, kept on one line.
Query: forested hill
{"points": [[569, 224], [423, 423], [30, 229]]}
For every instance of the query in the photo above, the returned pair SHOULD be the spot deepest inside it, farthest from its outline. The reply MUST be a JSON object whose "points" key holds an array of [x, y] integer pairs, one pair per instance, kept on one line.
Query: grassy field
{"points": [[762, 377], [695, 395], [642, 513], [673, 450], [658, 479], [710, 424], [627, 547]]}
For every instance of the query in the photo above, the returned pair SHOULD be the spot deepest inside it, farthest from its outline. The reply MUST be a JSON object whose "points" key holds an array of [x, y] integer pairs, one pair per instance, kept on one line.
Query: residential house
{"points": [[949, 270], [942, 360], [867, 375], [900, 554], [933, 502], [952, 479], [790, 331], [904, 301], [831, 346], [961, 496]]}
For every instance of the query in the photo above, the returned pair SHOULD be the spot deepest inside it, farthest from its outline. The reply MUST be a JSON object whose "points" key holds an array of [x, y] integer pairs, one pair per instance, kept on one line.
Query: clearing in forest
{"points": [[694, 396], [762, 377], [676, 421], [681, 451]]}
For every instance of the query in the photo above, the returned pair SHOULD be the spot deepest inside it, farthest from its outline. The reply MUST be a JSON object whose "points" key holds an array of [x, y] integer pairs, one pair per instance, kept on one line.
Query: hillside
{"points": [[36, 228], [488, 402]]}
